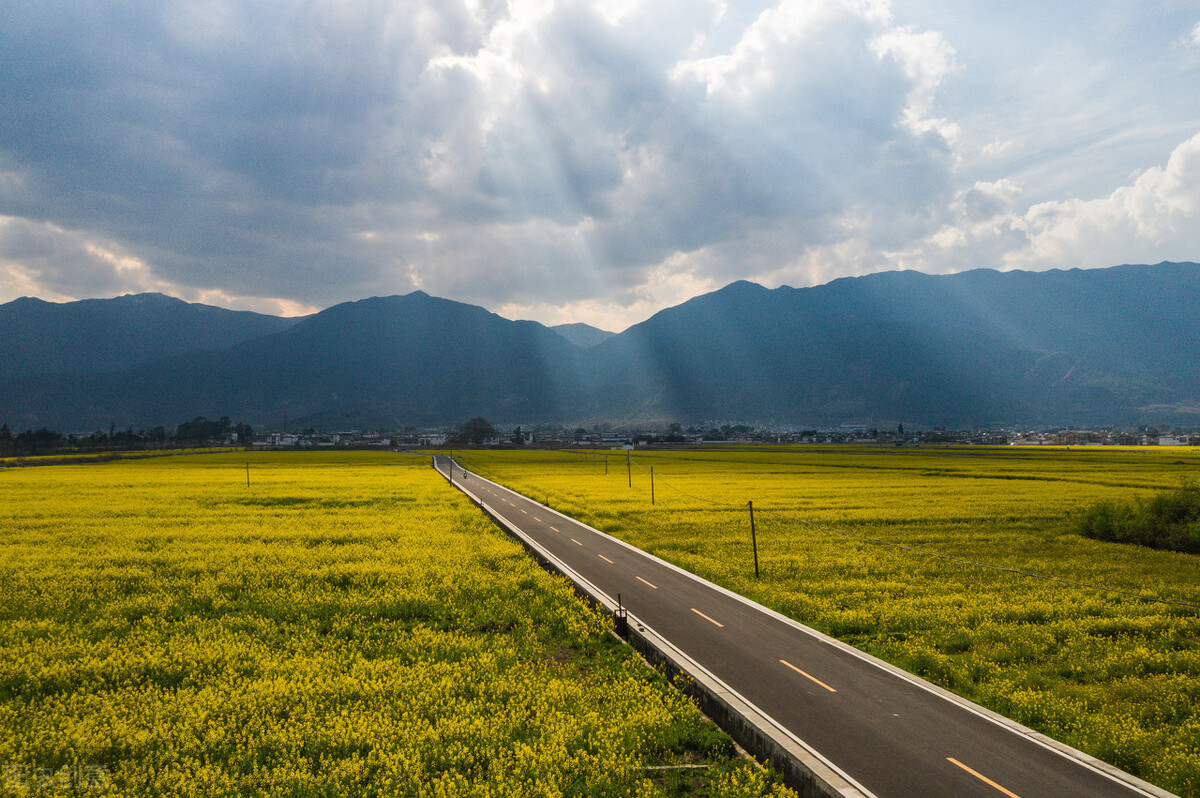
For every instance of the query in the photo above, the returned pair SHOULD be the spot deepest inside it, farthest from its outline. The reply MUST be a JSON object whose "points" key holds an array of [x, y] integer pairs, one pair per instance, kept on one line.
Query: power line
{"points": [[940, 555], [1018, 571], [661, 481]]}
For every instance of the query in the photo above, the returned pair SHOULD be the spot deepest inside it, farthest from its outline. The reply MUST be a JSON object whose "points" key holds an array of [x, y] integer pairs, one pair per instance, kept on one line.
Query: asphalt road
{"points": [[893, 736]]}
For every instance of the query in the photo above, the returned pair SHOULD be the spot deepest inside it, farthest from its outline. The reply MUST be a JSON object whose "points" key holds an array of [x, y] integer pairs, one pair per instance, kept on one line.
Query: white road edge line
{"points": [[1127, 780], [645, 629], [1062, 749]]}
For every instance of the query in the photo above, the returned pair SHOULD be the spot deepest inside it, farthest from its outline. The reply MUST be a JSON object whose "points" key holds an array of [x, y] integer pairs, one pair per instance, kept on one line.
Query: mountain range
{"points": [[582, 335], [981, 348]]}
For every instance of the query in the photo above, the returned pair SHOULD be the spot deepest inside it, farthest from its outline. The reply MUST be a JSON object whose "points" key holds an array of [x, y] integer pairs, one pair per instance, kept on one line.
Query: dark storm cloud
{"points": [[532, 153], [231, 144], [210, 148]]}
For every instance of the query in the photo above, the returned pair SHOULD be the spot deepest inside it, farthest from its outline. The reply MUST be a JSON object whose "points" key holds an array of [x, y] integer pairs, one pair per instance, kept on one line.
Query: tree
{"points": [[44, 440], [201, 429], [475, 431], [518, 437]]}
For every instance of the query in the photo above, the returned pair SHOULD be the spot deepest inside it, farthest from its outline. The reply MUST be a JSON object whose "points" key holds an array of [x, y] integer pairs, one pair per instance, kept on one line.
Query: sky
{"points": [[580, 161]]}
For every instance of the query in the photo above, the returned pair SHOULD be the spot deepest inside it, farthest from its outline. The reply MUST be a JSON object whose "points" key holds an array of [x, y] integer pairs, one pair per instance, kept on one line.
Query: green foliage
{"points": [[474, 431], [31, 442], [45, 441], [1168, 520], [201, 429]]}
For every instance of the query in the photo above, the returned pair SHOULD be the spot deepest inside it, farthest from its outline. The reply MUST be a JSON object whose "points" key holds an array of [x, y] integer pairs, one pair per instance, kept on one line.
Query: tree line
{"points": [[195, 432]]}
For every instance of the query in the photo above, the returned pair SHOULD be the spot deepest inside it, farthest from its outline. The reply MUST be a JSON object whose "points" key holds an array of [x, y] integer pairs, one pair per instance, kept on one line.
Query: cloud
{"points": [[1156, 217], [927, 59], [542, 156], [325, 150], [44, 258], [670, 283]]}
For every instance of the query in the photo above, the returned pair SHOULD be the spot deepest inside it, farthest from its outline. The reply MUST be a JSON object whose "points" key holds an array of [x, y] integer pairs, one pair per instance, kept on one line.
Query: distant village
{"points": [[555, 437], [478, 432]]}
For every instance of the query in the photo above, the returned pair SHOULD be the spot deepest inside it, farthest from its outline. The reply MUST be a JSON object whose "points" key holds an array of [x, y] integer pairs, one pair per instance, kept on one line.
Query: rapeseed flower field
{"points": [[344, 625], [960, 565]]}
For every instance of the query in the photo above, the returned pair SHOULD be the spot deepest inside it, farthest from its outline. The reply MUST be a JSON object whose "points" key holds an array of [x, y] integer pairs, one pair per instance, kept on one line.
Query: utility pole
{"points": [[651, 485], [628, 469], [606, 464], [754, 540], [247, 475]]}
